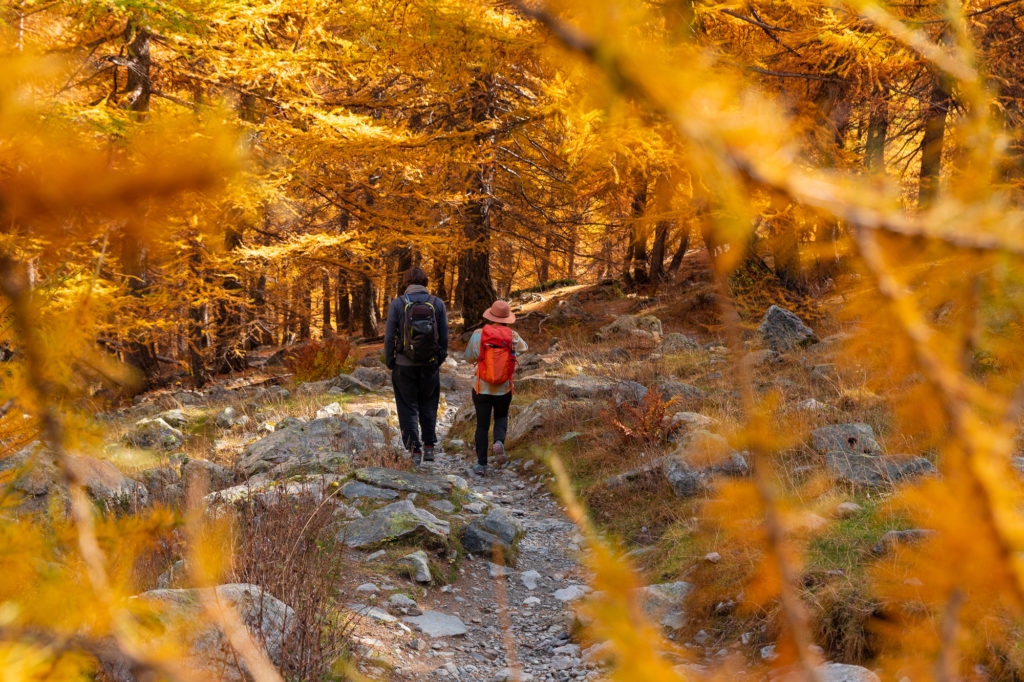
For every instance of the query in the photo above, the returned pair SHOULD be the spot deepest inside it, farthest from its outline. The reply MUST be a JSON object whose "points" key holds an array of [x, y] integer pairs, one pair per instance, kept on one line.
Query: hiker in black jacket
{"points": [[415, 345]]}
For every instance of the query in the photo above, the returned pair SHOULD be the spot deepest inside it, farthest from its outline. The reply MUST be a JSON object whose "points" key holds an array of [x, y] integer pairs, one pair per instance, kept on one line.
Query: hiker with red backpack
{"points": [[415, 345], [493, 348]]}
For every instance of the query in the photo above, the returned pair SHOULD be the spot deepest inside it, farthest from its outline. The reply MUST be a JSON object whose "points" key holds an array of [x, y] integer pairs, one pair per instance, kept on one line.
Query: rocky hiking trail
{"points": [[491, 617]]}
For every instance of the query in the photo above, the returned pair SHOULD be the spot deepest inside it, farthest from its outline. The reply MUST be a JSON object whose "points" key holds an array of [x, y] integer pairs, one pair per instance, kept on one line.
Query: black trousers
{"points": [[417, 392], [484, 405]]}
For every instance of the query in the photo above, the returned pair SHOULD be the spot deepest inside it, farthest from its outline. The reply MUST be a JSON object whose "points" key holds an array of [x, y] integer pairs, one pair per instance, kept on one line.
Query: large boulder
{"points": [[528, 419], [688, 479], [642, 326], [663, 603], [684, 395], [405, 481], [782, 330], [320, 445], [677, 343], [375, 377], [568, 311], [854, 456], [271, 622], [494, 533], [210, 477], [397, 521], [39, 480], [585, 387], [348, 383], [268, 493], [163, 484], [154, 433]]}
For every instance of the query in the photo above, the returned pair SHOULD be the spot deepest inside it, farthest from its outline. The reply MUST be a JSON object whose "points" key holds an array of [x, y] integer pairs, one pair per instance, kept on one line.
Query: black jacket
{"points": [[415, 292]]}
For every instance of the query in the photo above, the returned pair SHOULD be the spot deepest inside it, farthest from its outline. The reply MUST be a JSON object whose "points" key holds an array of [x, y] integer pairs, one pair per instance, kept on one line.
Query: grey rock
{"points": [[397, 520], [849, 438], [313, 387], [164, 485], [677, 343], [401, 601], [367, 588], [893, 538], [267, 492], [371, 612], [434, 624], [154, 433], [782, 330], [853, 455], [349, 384], [270, 621], [418, 565], [530, 418], [568, 311], [529, 579], [494, 532], [571, 593], [357, 489], [688, 480], [629, 325], [174, 576], [812, 405], [176, 418], [320, 445], [683, 394], [405, 481], [226, 418], [36, 475], [211, 477], [663, 603], [375, 377], [287, 423], [442, 506], [330, 410], [842, 672], [845, 510]]}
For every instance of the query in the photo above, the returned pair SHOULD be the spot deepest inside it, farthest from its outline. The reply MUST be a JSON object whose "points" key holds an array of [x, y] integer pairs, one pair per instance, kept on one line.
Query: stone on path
{"points": [[405, 481], [529, 579], [434, 624], [418, 565], [397, 520], [782, 330], [571, 593], [357, 489], [494, 531]]}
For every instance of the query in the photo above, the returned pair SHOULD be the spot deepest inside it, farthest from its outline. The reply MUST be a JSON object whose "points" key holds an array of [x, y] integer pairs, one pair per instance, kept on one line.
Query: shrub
{"points": [[645, 423], [316, 360]]}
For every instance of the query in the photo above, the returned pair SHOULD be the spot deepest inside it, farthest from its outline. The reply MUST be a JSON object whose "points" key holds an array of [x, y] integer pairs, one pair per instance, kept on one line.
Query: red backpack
{"points": [[497, 360]]}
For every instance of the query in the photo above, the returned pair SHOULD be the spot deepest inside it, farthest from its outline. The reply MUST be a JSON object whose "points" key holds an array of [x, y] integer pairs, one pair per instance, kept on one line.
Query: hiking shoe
{"points": [[416, 457], [499, 453], [428, 453], [480, 469]]}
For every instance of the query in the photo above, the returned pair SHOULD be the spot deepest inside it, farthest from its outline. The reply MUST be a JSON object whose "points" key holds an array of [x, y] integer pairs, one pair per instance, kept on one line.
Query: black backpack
{"points": [[419, 331]]}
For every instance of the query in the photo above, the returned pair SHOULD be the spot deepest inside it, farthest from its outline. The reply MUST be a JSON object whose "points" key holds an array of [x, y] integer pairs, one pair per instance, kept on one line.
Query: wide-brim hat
{"points": [[500, 312]]}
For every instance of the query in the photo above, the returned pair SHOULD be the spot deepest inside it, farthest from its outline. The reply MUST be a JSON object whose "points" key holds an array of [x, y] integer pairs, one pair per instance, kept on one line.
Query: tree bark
{"points": [[658, 251], [878, 129], [196, 313], [228, 353], [405, 260], [325, 281], [367, 306], [680, 254], [342, 307], [440, 272], [544, 268], [939, 102], [635, 264], [305, 312]]}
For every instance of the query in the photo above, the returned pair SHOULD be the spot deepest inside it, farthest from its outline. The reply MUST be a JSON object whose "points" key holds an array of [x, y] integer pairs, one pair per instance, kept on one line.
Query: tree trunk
{"points": [[939, 102], [544, 268], [570, 263], [403, 264], [878, 129], [658, 251], [475, 265], [305, 312], [440, 270], [368, 306], [342, 307], [261, 334], [635, 264], [196, 313], [680, 254], [325, 280], [228, 353]]}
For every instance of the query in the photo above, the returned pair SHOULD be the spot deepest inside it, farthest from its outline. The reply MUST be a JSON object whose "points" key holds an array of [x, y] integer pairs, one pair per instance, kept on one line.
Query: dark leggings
{"points": [[484, 404]]}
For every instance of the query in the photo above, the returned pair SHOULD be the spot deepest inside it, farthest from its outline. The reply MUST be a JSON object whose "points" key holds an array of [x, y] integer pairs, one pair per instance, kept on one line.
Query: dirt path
{"points": [[537, 620]]}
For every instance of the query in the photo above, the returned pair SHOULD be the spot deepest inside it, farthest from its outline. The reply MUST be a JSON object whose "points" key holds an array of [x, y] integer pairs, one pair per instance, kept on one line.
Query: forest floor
{"points": [[579, 396]]}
